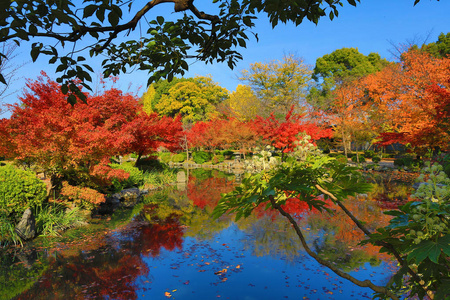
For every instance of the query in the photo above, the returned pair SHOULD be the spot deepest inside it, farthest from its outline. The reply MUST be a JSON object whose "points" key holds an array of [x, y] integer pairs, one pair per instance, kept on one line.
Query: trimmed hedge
{"points": [[201, 157], [180, 157], [361, 159], [376, 159], [20, 189]]}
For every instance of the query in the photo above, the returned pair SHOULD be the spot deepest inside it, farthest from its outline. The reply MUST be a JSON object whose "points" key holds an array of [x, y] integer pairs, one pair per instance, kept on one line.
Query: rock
{"points": [[26, 229], [181, 177], [127, 198]]}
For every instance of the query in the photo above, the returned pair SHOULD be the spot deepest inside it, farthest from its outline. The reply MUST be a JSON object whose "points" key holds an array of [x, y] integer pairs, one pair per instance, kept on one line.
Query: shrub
{"points": [[136, 177], [217, 159], [19, 189], [165, 157], [201, 157], [228, 153], [341, 158], [399, 162], [361, 158], [369, 153], [180, 157], [409, 162], [376, 159], [83, 197]]}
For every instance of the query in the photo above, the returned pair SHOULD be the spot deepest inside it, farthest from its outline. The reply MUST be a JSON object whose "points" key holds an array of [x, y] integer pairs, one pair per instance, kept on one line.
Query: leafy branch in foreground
{"points": [[307, 178], [69, 31]]}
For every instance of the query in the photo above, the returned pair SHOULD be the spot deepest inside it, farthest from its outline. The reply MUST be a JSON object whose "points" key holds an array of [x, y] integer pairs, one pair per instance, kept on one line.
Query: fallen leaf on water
{"points": [[220, 272], [167, 294], [238, 266]]}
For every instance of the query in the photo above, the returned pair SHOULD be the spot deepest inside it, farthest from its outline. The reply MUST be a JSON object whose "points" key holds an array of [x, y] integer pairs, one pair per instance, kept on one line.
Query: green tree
{"points": [[69, 31], [194, 99], [440, 48], [279, 84], [341, 65]]}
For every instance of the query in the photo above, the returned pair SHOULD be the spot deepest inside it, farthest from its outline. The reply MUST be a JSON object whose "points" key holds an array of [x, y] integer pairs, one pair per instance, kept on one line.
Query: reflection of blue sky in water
{"points": [[191, 272]]}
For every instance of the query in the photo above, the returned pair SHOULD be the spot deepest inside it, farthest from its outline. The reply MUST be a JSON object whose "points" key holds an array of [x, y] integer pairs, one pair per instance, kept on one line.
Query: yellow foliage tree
{"points": [[279, 84], [195, 99], [243, 103]]}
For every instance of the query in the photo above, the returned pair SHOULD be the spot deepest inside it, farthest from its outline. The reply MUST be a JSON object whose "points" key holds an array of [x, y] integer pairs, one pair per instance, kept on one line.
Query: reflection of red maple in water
{"points": [[110, 275], [153, 237], [207, 193], [109, 271]]}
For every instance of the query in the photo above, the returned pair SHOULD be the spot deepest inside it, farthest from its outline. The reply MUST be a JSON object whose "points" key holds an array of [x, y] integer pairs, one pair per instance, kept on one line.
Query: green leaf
{"points": [[72, 99], [429, 249], [2, 79], [160, 20], [89, 10], [35, 51], [64, 89], [113, 19], [352, 2]]}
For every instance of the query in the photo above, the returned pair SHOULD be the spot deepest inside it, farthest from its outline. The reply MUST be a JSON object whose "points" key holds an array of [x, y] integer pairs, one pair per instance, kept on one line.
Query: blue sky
{"points": [[372, 26]]}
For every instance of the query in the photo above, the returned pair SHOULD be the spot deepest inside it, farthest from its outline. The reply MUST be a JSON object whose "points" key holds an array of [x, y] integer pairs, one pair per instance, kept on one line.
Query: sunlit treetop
{"points": [[68, 31]]}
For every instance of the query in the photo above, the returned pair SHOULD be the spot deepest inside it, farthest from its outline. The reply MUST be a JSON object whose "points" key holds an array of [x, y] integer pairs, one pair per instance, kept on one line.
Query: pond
{"points": [[169, 247]]}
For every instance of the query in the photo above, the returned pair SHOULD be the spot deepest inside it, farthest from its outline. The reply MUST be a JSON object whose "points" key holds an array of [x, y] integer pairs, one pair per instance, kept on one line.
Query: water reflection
{"points": [[172, 248]]}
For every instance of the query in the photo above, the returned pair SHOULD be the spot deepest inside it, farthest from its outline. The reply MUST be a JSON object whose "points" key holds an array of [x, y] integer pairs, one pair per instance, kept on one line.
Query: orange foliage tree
{"points": [[413, 96]]}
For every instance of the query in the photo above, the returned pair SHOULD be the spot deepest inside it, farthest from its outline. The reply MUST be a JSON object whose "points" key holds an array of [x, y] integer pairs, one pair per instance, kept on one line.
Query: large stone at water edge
{"points": [[26, 229], [181, 177]]}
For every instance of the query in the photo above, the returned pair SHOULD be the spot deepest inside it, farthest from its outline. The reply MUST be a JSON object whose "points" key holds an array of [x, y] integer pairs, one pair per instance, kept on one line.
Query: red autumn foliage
{"points": [[66, 140], [147, 132], [283, 134]]}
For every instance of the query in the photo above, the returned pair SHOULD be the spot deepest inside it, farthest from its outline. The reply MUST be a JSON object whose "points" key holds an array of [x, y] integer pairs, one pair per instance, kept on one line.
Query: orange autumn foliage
{"points": [[410, 95]]}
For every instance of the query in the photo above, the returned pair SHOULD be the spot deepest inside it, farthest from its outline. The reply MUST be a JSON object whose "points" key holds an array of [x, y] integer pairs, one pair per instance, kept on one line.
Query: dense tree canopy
{"points": [[341, 65], [76, 142], [165, 44], [279, 84], [194, 99]]}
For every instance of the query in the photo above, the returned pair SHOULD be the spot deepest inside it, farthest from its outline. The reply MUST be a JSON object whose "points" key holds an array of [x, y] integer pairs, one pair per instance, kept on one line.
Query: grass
{"points": [[54, 218], [159, 178], [8, 235]]}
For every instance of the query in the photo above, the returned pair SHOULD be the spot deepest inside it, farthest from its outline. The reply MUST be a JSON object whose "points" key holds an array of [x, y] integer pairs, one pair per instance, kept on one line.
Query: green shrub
{"points": [[165, 157], [361, 158], [217, 159], [376, 159], [447, 170], [409, 162], [201, 157], [19, 190], [151, 163], [341, 158], [228, 153], [136, 178], [399, 162], [180, 157], [369, 153]]}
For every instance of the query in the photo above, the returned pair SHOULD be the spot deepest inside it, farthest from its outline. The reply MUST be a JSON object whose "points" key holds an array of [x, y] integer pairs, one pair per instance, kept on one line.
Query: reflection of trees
{"points": [[110, 270], [19, 272], [336, 238], [270, 236]]}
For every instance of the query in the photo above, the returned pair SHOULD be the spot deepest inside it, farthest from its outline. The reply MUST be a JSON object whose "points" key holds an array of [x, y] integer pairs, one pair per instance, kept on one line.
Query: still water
{"points": [[169, 247]]}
